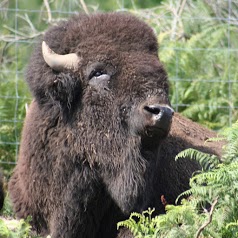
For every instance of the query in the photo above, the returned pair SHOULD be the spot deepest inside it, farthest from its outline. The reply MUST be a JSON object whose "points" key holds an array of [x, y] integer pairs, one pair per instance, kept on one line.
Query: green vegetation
{"points": [[211, 207], [11, 228], [14, 228]]}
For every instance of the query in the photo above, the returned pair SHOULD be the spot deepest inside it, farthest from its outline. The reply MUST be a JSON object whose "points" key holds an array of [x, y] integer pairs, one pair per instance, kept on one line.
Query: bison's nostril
{"points": [[159, 112], [152, 109]]}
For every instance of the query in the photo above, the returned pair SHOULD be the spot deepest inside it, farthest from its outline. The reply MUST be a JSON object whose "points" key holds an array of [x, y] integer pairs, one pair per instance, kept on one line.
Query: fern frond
{"points": [[186, 193], [231, 148], [140, 224], [232, 224], [206, 161], [215, 139], [130, 224]]}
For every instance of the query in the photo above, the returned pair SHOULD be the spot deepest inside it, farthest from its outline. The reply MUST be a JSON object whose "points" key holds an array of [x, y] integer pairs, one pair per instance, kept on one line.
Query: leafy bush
{"points": [[211, 207], [12, 228]]}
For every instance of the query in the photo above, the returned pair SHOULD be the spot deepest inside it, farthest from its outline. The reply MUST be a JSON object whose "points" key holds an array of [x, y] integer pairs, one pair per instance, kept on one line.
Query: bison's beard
{"points": [[124, 162], [129, 183]]}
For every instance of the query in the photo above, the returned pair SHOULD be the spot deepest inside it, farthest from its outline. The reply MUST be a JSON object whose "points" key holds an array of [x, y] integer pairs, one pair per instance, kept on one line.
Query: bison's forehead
{"points": [[114, 30], [117, 41]]}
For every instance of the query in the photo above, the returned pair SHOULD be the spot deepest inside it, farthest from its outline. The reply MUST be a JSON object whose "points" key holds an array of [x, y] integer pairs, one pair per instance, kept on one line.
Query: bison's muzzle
{"points": [[160, 117], [152, 122], [156, 120]]}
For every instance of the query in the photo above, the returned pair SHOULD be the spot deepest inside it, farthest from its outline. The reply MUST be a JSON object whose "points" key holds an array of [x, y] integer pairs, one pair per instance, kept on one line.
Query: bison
{"points": [[93, 145]]}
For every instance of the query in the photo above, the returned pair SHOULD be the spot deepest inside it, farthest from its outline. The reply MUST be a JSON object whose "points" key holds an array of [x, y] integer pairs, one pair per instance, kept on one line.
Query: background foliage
{"points": [[198, 46]]}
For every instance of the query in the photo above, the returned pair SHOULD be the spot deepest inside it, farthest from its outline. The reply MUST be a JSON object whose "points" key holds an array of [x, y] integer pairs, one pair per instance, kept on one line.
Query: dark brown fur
{"points": [[85, 160]]}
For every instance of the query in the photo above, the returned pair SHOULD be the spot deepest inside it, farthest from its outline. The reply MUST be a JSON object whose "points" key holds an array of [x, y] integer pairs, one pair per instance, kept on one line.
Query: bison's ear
{"points": [[60, 62], [66, 92]]}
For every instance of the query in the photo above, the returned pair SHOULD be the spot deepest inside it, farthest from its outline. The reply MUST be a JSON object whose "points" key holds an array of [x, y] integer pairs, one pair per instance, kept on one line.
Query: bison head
{"points": [[148, 118], [100, 80]]}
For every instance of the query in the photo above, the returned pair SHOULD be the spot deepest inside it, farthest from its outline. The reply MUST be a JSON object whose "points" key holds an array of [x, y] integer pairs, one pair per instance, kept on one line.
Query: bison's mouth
{"points": [[152, 137], [156, 132]]}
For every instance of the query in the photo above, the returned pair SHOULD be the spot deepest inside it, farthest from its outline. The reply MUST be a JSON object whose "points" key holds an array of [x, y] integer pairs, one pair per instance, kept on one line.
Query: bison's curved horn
{"points": [[59, 62]]}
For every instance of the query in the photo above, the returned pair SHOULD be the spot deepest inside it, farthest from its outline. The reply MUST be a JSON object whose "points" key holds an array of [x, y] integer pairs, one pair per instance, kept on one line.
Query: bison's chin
{"points": [[152, 137], [156, 133]]}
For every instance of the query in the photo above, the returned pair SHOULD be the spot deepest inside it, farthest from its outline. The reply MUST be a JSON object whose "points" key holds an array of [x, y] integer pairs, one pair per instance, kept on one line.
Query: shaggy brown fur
{"points": [[86, 158]]}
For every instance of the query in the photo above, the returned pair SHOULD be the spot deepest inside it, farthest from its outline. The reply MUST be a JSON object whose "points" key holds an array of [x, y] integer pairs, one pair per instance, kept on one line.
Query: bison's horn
{"points": [[59, 62]]}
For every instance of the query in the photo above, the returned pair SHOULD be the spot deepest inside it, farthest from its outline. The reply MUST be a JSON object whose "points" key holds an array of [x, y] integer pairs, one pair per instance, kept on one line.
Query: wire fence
{"points": [[203, 73]]}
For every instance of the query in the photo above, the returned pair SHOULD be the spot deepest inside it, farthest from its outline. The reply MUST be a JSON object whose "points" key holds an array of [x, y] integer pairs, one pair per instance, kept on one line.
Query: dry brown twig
{"points": [[209, 219], [177, 17], [47, 5], [84, 6], [15, 35]]}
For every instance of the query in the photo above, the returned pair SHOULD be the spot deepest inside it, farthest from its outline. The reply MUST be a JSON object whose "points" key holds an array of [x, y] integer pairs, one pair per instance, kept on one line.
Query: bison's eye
{"points": [[96, 73]]}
